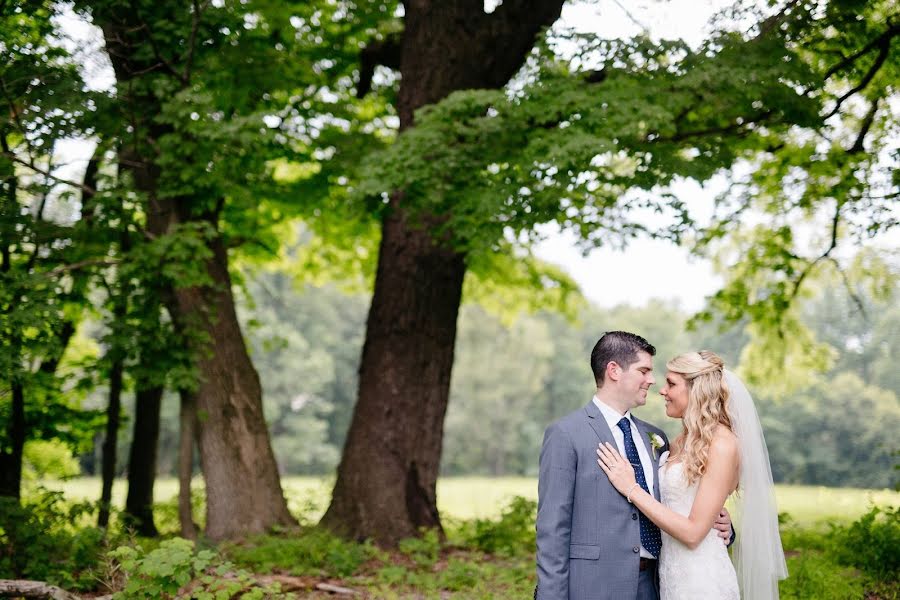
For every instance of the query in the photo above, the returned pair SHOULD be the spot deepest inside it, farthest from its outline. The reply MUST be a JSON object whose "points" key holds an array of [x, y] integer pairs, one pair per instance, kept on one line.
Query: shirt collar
{"points": [[611, 415]]}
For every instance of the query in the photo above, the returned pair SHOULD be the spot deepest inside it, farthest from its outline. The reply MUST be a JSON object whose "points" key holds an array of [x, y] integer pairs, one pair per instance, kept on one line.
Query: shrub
{"points": [[423, 551], [313, 551], [37, 541], [459, 575], [871, 543], [175, 571], [48, 459], [813, 575], [511, 535]]}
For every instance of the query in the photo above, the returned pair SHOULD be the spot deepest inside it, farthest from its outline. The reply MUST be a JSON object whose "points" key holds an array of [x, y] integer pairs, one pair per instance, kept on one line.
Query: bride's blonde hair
{"points": [[707, 408]]}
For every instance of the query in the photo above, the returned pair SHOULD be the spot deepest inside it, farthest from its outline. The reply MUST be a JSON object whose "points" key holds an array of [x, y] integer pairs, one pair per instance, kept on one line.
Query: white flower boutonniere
{"points": [[656, 442]]}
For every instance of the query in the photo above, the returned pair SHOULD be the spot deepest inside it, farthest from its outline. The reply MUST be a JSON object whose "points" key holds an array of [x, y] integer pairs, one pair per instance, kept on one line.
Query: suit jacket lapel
{"points": [[598, 423], [651, 452]]}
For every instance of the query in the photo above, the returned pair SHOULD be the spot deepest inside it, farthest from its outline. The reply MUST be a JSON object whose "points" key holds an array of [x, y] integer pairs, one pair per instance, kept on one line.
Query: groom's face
{"points": [[636, 380]]}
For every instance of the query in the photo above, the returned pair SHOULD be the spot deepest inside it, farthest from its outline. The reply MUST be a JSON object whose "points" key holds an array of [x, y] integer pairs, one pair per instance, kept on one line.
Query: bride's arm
{"points": [[717, 482]]}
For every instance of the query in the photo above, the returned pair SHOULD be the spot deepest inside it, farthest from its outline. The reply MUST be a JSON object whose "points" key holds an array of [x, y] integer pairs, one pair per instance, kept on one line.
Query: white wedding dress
{"points": [[706, 571]]}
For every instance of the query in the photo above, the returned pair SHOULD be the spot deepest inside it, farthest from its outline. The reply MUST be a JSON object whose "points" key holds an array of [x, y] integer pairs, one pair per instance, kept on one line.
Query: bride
{"points": [[720, 450]]}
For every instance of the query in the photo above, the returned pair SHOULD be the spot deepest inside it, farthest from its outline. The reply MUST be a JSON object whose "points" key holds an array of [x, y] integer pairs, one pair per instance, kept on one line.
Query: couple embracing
{"points": [[624, 515]]}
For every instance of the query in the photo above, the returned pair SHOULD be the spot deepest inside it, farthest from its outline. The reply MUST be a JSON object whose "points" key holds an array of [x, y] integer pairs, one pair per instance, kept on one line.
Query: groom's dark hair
{"points": [[618, 346]]}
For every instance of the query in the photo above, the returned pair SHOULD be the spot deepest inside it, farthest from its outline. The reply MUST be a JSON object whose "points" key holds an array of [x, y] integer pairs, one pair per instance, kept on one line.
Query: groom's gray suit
{"points": [[588, 535]]}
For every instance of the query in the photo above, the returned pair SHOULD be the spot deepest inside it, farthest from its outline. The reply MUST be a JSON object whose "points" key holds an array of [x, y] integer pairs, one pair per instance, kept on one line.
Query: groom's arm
{"points": [[556, 492]]}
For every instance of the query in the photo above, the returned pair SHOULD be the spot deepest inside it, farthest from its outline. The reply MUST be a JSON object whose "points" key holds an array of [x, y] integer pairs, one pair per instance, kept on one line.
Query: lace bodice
{"points": [[685, 574]]}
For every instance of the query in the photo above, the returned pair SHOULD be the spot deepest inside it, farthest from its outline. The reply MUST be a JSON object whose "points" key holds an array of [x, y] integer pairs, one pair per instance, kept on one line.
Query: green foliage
{"points": [[175, 570], [871, 543], [165, 513], [820, 561], [423, 551], [812, 575], [49, 460], [800, 210], [311, 551], [45, 539], [511, 535], [510, 285]]}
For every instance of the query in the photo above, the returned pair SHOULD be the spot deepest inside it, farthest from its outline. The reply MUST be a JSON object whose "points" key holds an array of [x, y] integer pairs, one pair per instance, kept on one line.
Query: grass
{"points": [[464, 498], [490, 547]]}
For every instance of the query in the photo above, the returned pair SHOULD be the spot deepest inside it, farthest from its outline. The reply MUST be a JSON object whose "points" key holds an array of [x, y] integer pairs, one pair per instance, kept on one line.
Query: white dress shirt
{"points": [[613, 417]]}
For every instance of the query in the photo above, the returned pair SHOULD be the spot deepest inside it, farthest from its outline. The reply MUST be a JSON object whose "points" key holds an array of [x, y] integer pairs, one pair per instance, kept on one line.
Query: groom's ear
{"points": [[613, 370]]}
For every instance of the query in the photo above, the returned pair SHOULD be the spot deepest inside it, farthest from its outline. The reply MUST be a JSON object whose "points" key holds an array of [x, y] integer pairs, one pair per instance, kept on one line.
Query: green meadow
{"points": [[464, 498]]}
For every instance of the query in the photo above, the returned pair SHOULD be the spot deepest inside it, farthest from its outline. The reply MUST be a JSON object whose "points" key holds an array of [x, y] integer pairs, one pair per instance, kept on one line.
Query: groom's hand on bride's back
{"points": [[724, 527]]}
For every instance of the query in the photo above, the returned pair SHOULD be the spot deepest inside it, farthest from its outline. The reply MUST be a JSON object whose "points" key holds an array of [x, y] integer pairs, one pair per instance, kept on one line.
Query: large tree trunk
{"points": [[142, 461], [244, 494], [110, 440], [243, 489], [386, 482]]}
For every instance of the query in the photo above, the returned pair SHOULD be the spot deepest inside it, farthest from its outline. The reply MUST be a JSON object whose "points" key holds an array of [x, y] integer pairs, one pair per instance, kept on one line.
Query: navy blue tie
{"points": [[651, 540]]}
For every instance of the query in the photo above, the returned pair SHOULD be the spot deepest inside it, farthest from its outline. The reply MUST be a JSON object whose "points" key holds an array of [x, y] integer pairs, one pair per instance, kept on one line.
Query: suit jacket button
{"points": [[636, 549], [634, 516]]}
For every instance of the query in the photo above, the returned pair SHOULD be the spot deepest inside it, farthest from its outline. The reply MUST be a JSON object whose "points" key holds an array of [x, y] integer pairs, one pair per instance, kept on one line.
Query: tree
{"points": [[152, 67], [816, 195], [43, 254], [211, 101], [474, 172]]}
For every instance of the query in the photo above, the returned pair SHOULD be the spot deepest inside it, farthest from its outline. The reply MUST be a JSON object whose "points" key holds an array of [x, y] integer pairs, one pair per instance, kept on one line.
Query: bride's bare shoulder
{"points": [[724, 443]]}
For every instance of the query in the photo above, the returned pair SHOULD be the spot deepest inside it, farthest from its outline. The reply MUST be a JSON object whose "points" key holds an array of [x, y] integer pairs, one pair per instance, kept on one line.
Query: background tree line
{"points": [[513, 376]]}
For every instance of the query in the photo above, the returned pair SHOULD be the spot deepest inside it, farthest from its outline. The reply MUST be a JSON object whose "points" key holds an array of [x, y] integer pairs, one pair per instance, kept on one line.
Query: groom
{"points": [[592, 544]]}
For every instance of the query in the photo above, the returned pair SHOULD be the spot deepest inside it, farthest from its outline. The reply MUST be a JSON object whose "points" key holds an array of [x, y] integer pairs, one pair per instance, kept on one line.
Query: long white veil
{"points": [[758, 555]]}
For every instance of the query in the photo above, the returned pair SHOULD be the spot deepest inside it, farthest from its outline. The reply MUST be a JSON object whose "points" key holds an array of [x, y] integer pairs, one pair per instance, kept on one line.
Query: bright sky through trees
{"points": [[645, 269]]}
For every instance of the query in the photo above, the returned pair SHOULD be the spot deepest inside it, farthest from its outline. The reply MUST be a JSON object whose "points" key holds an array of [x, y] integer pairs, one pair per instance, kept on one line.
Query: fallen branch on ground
{"points": [[23, 588]]}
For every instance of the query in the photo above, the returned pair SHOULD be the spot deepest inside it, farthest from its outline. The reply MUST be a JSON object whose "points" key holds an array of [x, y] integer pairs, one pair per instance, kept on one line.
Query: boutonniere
{"points": [[656, 442]]}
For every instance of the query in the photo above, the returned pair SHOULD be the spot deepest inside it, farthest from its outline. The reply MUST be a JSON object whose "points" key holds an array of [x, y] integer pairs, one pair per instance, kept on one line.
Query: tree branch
{"points": [[835, 222], [735, 127], [385, 52], [885, 47], [858, 145], [853, 295], [885, 37], [75, 266], [156, 53], [21, 588], [509, 34], [81, 186], [775, 20], [192, 40]]}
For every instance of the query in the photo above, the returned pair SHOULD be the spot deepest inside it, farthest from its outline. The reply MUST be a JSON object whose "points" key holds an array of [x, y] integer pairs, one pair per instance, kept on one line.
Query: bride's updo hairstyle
{"points": [[707, 408]]}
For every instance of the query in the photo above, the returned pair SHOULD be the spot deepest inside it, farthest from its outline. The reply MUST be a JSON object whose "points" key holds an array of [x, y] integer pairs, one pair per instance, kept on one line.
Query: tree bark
{"points": [[110, 441], [243, 489], [244, 494], [142, 461], [386, 481], [187, 438]]}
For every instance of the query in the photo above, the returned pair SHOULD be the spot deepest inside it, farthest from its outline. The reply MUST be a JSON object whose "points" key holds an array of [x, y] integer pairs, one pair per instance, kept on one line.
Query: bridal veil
{"points": [[759, 557]]}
